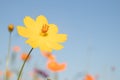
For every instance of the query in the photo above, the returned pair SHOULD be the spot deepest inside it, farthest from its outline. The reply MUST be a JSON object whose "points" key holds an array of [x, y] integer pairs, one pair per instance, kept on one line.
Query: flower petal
{"points": [[52, 29], [55, 66], [58, 38], [44, 47], [62, 66], [23, 31], [54, 45], [29, 22], [32, 42], [40, 20], [48, 55], [61, 37]]}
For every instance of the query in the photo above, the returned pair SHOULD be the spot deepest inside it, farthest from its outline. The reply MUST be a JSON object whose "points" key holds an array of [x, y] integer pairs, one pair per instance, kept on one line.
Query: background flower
{"points": [[41, 72], [9, 73], [55, 66], [16, 49], [48, 55], [23, 56], [89, 77]]}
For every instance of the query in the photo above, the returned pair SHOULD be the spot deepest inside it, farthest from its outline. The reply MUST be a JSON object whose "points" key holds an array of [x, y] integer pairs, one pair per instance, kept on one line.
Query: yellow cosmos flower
{"points": [[41, 34]]}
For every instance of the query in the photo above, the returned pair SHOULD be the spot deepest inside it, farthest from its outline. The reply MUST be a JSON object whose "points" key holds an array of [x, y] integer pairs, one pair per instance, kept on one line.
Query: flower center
{"points": [[44, 30]]}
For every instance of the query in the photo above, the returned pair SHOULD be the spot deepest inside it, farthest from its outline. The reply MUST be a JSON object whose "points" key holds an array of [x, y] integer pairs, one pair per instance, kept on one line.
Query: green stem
{"points": [[24, 64], [8, 56], [56, 76]]}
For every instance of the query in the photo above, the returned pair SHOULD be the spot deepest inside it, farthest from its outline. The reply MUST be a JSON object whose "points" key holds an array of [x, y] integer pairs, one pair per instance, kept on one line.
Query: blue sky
{"points": [[92, 26]]}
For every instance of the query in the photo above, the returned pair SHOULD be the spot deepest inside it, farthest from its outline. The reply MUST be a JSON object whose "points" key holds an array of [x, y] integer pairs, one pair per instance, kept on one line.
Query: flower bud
{"points": [[10, 27]]}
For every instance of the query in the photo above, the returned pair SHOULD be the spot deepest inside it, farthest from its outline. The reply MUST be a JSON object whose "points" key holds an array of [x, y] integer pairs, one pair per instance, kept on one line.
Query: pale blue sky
{"points": [[93, 28]]}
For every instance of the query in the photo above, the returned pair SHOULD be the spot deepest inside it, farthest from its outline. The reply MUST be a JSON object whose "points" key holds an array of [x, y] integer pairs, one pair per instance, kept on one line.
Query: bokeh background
{"points": [[92, 26]]}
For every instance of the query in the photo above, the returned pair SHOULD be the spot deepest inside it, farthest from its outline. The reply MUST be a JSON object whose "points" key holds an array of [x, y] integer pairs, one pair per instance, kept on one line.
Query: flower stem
{"points": [[8, 56], [24, 64], [56, 76]]}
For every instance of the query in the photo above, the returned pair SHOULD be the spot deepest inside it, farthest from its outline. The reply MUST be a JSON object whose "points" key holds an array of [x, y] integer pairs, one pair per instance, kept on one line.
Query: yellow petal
{"points": [[61, 37], [23, 31], [58, 38], [29, 22], [44, 47], [42, 44], [52, 29], [40, 20], [54, 45], [33, 42]]}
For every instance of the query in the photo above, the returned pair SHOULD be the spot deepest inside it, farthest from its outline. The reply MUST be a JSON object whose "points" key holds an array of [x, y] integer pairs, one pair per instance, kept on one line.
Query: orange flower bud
{"points": [[10, 27]]}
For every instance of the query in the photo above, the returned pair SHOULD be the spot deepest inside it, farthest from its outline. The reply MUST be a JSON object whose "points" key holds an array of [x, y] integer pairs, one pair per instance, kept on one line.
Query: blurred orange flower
{"points": [[89, 77], [16, 48], [56, 67], [24, 56], [48, 55], [9, 73]]}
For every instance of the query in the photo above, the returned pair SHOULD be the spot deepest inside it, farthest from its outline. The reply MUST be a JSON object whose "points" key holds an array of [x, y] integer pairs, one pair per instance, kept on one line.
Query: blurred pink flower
{"points": [[16, 48], [31, 73], [1, 73]]}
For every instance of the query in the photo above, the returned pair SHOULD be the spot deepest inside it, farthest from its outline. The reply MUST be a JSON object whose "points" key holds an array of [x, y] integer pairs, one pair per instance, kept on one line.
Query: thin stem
{"points": [[8, 56], [9, 46], [24, 64], [56, 76]]}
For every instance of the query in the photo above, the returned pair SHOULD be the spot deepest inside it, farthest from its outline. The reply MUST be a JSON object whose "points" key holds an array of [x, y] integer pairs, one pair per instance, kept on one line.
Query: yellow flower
{"points": [[41, 34]]}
